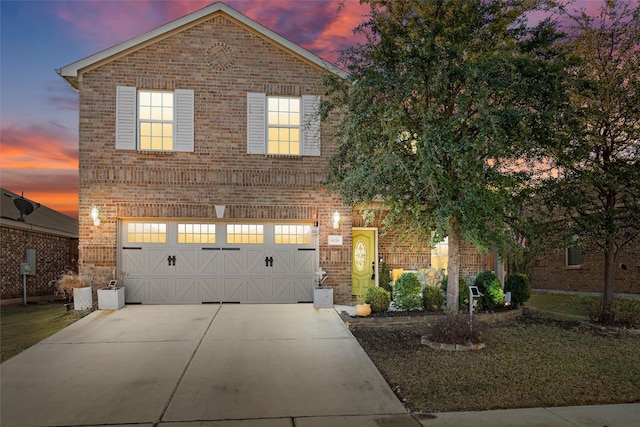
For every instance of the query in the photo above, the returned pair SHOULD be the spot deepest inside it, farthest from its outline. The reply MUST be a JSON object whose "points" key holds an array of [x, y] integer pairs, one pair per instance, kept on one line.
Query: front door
{"points": [[363, 260]]}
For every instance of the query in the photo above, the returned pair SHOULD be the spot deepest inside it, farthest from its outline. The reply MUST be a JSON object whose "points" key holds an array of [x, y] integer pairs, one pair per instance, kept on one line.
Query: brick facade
{"points": [[54, 254], [126, 184], [550, 272]]}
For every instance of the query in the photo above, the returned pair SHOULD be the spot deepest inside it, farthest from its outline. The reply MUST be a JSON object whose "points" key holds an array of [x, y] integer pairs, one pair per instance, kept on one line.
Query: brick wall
{"points": [[550, 272], [129, 184], [53, 255]]}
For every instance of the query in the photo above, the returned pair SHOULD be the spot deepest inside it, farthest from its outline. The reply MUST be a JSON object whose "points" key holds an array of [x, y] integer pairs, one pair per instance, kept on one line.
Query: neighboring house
{"points": [[45, 239], [578, 270], [202, 155]]}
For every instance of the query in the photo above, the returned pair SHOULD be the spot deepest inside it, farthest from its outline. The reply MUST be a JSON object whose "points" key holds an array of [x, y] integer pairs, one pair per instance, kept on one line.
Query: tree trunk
{"points": [[453, 269], [607, 315]]}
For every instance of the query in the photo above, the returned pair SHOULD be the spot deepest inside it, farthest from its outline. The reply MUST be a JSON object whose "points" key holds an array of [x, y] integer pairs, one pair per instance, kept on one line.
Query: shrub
{"points": [[378, 298], [463, 292], [406, 292], [489, 285], [385, 277], [432, 298], [519, 286], [457, 329]]}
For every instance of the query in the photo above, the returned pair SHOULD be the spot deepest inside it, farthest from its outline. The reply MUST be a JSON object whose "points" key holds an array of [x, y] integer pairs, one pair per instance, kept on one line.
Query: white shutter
{"points": [[256, 123], [184, 120], [310, 125], [125, 118]]}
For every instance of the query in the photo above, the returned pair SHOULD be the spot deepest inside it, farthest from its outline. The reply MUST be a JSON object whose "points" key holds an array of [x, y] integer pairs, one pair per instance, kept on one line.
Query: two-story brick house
{"points": [[202, 158]]}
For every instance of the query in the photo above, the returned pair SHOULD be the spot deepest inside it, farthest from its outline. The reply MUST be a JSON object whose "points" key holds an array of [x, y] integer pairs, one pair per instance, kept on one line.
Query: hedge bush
{"points": [[432, 298], [385, 277], [489, 285], [519, 286], [379, 299], [406, 292], [463, 292]]}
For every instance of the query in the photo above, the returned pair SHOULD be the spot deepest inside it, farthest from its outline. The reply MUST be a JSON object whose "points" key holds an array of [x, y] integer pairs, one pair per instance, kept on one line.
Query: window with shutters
{"points": [[279, 125], [150, 120], [283, 124], [155, 121]]}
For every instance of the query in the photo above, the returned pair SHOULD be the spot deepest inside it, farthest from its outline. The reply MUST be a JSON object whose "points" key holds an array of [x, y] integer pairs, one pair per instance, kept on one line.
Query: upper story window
{"points": [[150, 120], [283, 123], [155, 120], [279, 125]]}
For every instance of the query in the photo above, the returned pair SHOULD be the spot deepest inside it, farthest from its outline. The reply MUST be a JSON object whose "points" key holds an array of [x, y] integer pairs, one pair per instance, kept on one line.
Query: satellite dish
{"points": [[24, 206]]}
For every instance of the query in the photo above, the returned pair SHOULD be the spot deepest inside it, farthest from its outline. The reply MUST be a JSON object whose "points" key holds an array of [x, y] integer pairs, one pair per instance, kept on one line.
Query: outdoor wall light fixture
{"points": [[336, 219], [95, 215]]}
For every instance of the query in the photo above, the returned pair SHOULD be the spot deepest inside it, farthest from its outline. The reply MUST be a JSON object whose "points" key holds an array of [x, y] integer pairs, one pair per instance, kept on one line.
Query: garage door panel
{"points": [[235, 289], [160, 290], [233, 262], [283, 290], [304, 262], [157, 260], [187, 260], [258, 289], [211, 289], [134, 289], [209, 262], [255, 260], [187, 290]]}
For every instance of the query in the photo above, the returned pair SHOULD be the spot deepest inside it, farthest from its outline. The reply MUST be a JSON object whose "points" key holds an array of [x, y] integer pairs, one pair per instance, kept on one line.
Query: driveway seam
{"points": [[186, 368]]}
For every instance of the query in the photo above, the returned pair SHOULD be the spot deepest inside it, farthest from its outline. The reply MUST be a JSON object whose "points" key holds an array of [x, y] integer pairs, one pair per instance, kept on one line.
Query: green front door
{"points": [[362, 260]]}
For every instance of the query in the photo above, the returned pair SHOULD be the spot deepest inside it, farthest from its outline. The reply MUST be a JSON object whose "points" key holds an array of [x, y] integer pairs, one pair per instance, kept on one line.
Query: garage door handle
{"points": [[268, 261], [171, 259]]}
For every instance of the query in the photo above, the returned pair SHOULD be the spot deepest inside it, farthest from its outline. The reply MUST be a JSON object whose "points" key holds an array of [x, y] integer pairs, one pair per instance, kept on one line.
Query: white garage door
{"points": [[174, 262]]}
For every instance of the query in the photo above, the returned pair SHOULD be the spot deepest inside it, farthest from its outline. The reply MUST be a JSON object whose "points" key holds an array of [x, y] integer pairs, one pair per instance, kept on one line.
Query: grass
{"points": [[23, 326], [545, 359], [533, 363]]}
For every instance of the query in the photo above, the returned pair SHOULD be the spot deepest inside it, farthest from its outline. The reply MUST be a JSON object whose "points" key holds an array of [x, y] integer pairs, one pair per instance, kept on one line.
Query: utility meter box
{"points": [[29, 266], [25, 268]]}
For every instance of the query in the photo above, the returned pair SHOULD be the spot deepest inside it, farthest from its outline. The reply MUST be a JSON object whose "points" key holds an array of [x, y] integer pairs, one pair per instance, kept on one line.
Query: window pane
{"points": [[145, 98], [167, 99], [294, 148], [145, 113], [294, 119]]}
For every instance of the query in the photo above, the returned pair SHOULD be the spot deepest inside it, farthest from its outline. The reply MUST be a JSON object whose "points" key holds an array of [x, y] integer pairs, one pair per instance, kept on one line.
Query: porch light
{"points": [[95, 215], [336, 219]]}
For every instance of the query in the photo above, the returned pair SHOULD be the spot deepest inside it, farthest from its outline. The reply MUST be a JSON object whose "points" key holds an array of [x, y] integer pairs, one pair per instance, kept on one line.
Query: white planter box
{"points": [[82, 299], [111, 299], [323, 297]]}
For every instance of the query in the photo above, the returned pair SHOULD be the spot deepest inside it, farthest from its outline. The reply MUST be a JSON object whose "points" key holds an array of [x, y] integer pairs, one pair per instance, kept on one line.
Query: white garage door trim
{"points": [[185, 262]]}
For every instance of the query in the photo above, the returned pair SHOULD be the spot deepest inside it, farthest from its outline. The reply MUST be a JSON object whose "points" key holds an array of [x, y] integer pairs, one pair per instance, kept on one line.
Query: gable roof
{"points": [[42, 219], [72, 72]]}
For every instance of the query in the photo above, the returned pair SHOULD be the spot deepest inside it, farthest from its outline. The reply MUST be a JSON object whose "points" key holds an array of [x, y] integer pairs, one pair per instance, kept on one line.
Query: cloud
{"points": [[316, 25], [42, 162]]}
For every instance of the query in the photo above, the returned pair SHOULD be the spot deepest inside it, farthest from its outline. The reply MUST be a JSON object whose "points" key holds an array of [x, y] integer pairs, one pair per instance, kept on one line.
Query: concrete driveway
{"points": [[200, 365]]}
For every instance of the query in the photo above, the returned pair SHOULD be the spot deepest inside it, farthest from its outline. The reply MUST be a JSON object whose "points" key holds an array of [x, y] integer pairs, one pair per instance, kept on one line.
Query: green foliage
{"points": [[597, 190], [457, 329], [432, 298], [489, 285], [385, 277], [463, 292], [519, 286], [441, 99], [406, 292], [378, 298]]}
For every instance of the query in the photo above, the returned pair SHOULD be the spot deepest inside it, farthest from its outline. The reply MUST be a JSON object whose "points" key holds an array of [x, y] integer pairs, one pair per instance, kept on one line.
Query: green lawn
{"points": [[23, 326]]}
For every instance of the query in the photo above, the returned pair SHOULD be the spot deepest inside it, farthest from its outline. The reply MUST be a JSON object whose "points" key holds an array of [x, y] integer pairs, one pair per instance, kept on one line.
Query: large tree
{"points": [[445, 100], [597, 190]]}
